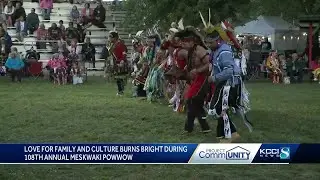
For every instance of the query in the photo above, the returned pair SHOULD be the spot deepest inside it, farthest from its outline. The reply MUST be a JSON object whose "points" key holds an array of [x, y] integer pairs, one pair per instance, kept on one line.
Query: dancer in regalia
{"points": [[119, 54], [178, 70], [151, 86], [139, 73], [229, 88], [197, 66]]}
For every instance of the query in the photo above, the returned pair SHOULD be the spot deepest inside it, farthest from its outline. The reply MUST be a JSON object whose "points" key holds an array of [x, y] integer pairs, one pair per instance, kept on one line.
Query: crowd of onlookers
{"points": [[287, 67], [69, 45], [282, 68]]}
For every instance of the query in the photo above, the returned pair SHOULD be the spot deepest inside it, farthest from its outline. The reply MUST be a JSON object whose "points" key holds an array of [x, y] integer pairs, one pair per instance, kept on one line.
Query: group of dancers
{"points": [[197, 74]]}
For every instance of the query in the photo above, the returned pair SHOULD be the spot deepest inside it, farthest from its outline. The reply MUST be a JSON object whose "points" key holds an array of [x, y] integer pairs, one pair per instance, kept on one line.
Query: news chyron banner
{"points": [[159, 153]]}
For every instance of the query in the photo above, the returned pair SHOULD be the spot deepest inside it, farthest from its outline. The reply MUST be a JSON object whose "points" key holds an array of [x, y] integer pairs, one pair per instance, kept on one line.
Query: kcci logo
{"points": [[282, 153]]}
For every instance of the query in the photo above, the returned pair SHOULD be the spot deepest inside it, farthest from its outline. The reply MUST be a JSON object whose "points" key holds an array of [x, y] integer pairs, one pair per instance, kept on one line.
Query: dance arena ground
{"points": [[37, 111]]}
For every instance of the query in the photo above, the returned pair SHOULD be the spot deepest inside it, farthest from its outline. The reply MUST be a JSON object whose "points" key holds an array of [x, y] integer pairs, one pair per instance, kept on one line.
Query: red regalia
{"points": [[198, 84], [118, 51]]}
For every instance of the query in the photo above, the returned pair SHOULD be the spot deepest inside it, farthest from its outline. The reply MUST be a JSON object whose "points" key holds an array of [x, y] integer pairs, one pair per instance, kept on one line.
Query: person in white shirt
{"points": [[8, 12]]}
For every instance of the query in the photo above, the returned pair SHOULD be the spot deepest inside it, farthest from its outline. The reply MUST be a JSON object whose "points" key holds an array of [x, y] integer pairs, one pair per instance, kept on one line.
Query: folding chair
{"points": [[35, 69]]}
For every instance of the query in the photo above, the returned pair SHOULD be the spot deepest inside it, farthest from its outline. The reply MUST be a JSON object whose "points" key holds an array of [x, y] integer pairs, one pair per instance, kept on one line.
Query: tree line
{"points": [[142, 14]]}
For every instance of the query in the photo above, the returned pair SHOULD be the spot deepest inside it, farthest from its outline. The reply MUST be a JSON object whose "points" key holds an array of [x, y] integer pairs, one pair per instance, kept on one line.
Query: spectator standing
{"points": [[14, 65], [8, 13], [33, 21], [21, 28], [19, 11], [46, 7], [42, 36], [86, 14], [89, 52], [99, 14], [74, 15]]}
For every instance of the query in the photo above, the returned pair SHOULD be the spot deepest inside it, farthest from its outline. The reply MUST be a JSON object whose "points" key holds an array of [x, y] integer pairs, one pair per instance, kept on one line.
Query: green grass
{"points": [[37, 111]]}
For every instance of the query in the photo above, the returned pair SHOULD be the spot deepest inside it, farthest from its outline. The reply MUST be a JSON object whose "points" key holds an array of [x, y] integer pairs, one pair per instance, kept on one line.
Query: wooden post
{"points": [[310, 45]]}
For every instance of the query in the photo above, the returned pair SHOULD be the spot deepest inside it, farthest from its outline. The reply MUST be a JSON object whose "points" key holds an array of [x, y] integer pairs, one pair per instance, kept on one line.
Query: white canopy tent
{"points": [[281, 34]]}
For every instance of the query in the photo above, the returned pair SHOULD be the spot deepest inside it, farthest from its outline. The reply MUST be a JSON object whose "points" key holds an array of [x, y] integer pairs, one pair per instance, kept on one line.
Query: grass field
{"points": [[37, 111]]}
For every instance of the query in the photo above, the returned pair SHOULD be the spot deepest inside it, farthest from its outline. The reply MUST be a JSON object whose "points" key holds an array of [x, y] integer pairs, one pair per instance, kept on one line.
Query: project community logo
{"points": [[240, 153], [236, 153]]}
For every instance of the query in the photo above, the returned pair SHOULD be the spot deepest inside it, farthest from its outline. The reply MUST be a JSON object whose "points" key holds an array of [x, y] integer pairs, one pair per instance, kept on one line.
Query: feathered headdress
{"points": [[191, 32], [224, 29], [137, 37], [176, 28]]}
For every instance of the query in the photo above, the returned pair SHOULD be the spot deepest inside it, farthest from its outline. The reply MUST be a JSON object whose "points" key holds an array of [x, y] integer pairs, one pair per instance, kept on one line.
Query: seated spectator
{"points": [[58, 69], [86, 14], [8, 12], [99, 16], [42, 36], [89, 52], [74, 14], [33, 21], [63, 29], [63, 48], [46, 7], [14, 66], [4, 26], [295, 68], [18, 13], [2, 31], [21, 29], [81, 30], [54, 34], [6, 39], [283, 63], [74, 51], [76, 74], [71, 32]]}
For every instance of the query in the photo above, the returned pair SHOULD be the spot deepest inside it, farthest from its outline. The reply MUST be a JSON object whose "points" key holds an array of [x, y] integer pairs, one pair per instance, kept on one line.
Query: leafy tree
{"points": [[144, 13]]}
